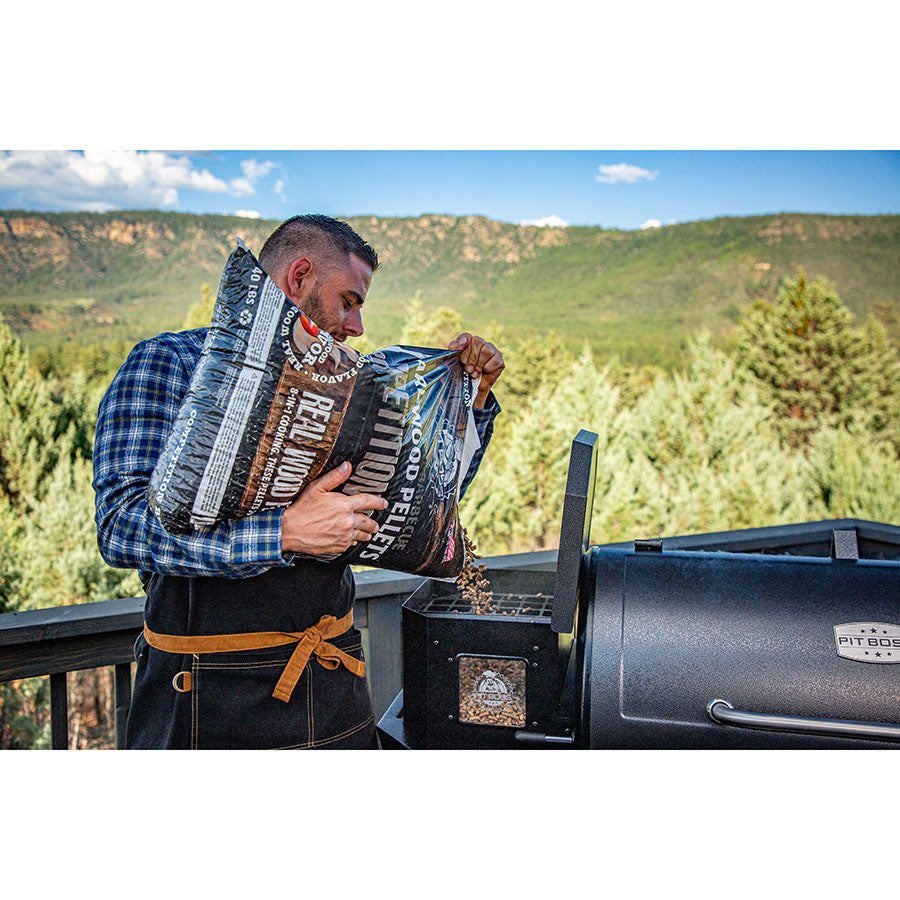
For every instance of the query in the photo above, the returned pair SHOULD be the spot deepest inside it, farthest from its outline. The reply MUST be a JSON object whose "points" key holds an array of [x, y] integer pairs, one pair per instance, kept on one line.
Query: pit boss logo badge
{"points": [[492, 689], [871, 642]]}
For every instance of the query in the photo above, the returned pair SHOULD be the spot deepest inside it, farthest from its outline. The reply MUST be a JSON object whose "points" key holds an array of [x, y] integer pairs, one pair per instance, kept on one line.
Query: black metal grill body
{"points": [[664, 634], [726, 640], [443, 639]]}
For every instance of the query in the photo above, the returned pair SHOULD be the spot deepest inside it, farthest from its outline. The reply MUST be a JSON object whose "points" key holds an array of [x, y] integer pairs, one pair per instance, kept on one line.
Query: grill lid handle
{"points": [[724, 713], [574, 533]]}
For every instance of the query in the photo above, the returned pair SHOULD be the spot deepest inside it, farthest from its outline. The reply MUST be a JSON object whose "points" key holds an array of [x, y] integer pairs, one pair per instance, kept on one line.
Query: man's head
{"points": [[324, 267]]}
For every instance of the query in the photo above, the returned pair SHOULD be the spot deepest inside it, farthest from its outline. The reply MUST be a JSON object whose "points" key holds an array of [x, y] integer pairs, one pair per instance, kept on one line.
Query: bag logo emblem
{"points": [[871, 642]]}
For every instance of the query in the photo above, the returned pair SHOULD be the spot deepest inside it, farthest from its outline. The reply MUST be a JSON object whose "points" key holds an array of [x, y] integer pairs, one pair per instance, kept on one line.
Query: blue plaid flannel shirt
{"points": [[136, 415]]}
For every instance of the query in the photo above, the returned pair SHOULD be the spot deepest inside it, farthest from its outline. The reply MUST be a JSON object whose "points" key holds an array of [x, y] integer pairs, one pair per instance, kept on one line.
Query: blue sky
{"points": [[620, 188]]}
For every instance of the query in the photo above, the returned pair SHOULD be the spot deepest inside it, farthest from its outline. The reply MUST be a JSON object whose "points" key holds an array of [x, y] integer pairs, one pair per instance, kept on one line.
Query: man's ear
{"points": [[301, 278]]}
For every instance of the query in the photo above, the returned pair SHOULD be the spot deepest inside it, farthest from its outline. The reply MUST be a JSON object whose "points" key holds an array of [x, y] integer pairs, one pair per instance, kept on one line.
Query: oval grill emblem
{"points": [[871, 642], [492, 689]]}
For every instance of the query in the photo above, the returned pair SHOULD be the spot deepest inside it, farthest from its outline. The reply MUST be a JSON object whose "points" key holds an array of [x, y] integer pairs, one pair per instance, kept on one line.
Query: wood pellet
{"points": [[474, 587], [473, 583]]}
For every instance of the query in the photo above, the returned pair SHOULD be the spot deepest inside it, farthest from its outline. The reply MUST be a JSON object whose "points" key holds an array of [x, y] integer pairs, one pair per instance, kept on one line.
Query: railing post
{"points": [[59, 711], [385, 672], [123, 701]]}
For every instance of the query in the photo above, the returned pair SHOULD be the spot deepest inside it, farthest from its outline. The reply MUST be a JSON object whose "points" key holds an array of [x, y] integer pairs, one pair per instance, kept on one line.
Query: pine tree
{"points": [[11, 535], [434, 330], [200, 314], [62, 565], [708, 454], [814, 365], [695, 452], [516, 502], [31, 424], [49, 554], [850, 474], [531, 362], [875, 370]]}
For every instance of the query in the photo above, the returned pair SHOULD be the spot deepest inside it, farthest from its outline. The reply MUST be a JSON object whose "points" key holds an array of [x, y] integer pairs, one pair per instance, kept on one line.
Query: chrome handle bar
{"points": [[722, 712]]}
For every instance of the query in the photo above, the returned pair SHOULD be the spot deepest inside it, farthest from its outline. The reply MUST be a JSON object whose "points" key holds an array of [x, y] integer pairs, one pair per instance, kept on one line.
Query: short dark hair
{"points": [[320, 235]]}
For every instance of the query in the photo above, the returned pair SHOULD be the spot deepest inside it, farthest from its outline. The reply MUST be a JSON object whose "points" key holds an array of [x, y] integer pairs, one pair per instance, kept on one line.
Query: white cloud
{"points": [[624, 172], [546, 222], [279, 191], [241, 187], [651, 223], [247, 213], [255, 170], [103, 180], [98, 206]]}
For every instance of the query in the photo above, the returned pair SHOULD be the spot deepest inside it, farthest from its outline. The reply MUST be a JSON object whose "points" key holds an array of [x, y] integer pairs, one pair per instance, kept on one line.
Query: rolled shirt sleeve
{"points": [[484, 423]]}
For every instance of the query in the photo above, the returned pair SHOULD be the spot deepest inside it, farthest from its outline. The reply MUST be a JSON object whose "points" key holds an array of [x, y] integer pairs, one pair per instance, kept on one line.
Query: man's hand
{"points": [[478, 357], [322, 521]]}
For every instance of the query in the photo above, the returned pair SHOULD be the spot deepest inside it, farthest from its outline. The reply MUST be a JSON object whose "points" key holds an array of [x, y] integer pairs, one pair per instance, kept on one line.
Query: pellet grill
{"points": [[782, 637]]}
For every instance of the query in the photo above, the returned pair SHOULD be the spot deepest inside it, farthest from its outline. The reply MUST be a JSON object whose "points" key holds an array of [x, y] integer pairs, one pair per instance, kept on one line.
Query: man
{"points": [[214, 593]]}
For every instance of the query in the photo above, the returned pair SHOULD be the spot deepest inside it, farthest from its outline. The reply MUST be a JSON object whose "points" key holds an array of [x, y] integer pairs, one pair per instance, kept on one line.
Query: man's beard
{"points": [[315, 310]]}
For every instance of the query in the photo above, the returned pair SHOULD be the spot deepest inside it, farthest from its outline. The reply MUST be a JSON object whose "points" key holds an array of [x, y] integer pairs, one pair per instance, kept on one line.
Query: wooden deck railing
{"points": [[53, 642]]}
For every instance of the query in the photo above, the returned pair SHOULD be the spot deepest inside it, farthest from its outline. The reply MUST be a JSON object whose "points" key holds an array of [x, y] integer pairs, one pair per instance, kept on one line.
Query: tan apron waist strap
{"points": [[311, 641]]}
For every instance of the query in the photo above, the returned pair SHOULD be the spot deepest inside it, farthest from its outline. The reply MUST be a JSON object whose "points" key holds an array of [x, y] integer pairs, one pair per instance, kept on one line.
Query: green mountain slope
{"points": [[90, 277]]}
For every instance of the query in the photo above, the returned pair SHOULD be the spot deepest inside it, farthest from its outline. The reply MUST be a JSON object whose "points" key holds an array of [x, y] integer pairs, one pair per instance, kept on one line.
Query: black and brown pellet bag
{"points": [[274, 402]]}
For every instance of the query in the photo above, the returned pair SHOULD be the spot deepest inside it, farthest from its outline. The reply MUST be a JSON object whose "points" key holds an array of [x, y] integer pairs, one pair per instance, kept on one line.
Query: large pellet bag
{"points": [[275, 402]]}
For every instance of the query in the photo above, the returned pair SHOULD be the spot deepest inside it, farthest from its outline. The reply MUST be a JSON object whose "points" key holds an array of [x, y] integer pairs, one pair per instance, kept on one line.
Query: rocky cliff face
{"points": [[71, 251]]}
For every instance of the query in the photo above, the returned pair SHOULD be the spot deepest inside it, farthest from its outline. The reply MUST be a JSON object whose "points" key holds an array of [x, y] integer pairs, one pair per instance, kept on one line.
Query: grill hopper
{"points": [[504, 677], [474, 680]]}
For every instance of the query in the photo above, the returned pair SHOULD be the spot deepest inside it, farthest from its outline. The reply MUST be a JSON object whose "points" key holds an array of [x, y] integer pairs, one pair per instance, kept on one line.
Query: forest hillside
{"points": [[119, 277]]}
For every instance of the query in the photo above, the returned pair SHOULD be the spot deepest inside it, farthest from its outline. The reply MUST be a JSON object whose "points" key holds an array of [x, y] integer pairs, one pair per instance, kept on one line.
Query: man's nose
{"points": [[353, 325]]}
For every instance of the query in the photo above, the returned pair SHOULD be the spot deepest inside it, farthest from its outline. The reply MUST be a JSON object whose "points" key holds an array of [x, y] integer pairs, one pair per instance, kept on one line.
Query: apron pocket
{"points": [[340, 709], [233, 707]]}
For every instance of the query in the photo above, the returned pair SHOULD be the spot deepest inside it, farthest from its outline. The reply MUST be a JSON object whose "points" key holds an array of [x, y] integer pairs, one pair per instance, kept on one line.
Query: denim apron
{"points": [[224, 700]]}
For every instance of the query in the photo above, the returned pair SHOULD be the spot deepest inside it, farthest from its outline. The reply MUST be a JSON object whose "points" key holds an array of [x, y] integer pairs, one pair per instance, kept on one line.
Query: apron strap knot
{"points": [[311, 641]]}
